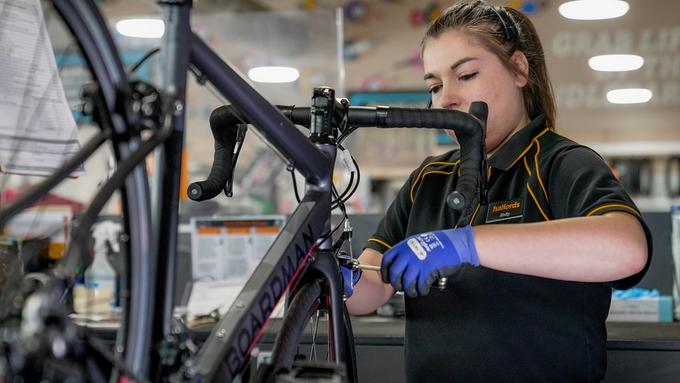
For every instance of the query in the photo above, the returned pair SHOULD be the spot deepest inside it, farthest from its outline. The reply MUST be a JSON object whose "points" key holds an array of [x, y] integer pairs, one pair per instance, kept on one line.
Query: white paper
{"points": [[221, 253], [37, 129], [207, 296], [224, 253]]}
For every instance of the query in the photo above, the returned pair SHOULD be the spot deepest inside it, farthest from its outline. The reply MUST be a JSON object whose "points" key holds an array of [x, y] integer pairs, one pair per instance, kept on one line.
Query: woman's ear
{"points": [[522, 64]]}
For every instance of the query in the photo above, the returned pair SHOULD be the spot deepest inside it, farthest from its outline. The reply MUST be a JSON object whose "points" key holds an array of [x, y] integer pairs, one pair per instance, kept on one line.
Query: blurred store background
{"points": [[617, 82], [369, 51]]}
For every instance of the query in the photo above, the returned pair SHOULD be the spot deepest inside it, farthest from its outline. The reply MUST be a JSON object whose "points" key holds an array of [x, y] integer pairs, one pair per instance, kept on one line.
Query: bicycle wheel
{"points": [[294, 359], [85, 356]]}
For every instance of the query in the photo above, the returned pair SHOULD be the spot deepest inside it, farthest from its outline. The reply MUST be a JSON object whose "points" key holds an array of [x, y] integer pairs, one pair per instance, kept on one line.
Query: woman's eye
{"points": [[435, 89], [467, 77]]}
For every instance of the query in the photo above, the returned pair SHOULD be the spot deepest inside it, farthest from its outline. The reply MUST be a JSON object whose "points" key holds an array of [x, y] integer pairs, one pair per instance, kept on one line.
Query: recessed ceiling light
{"points": [[142, 28], [273, 74], [629, 96], [615, 63], [593, 9]]}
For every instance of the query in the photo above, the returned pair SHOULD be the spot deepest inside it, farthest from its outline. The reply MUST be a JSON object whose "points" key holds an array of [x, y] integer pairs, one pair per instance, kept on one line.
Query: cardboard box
{"points": [[644, 309]]}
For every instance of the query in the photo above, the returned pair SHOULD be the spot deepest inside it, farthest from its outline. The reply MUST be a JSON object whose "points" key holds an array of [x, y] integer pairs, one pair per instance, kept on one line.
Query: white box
{"points": [[644, 309]]}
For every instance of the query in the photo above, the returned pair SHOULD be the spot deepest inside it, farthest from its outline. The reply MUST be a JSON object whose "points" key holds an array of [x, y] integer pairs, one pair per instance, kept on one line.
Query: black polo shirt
{"points": [[492, 326]]}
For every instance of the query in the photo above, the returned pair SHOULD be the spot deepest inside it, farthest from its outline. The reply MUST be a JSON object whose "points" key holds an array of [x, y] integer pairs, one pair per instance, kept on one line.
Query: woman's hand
{"points": [[415, 263]]}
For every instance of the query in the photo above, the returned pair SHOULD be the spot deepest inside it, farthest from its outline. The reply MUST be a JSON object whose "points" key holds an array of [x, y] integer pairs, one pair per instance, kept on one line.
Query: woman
{"points": [[529, 283]]}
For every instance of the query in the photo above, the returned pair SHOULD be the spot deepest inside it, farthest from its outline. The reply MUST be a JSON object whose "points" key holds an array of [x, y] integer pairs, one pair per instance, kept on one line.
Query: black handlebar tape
{"points": [[224, 128], [228, 115], [470, 131], [472, 167], [469, 128], [472, 175], [297, 115]]}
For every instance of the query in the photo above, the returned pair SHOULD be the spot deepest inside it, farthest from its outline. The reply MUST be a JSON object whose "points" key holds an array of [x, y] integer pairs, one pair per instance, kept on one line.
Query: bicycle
{"points": [[151, 344]]}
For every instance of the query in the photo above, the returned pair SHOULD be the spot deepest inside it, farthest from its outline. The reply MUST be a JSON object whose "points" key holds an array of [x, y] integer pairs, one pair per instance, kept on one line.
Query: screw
{"points": [[441, 283], [222, 333], [179, 107]]}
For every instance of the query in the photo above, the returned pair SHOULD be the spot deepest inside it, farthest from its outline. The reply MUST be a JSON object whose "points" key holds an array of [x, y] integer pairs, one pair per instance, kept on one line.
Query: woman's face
{"points": [[459, 70]]}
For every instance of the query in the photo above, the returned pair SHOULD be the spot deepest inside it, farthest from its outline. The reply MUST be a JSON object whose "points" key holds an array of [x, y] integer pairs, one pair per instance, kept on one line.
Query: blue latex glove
{"points": [[349, 277], [415, 263]]}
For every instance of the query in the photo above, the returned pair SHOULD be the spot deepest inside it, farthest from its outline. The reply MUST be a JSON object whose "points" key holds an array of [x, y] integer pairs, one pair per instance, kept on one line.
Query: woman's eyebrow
{"points": [[454, 66]]}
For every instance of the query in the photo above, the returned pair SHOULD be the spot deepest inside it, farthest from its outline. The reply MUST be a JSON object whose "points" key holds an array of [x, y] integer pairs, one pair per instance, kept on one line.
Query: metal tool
{"points": [[365, 266]]}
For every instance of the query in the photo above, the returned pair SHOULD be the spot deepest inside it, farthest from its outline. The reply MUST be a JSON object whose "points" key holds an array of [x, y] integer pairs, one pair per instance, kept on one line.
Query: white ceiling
{"points": [[120, 8], [653, 25]]}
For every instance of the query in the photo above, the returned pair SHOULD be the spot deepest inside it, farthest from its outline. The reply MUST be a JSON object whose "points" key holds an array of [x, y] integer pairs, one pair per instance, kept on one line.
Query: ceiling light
{"points": [[629, 96], [615, 63], [142, 28], [593, 9], [273, 74]]}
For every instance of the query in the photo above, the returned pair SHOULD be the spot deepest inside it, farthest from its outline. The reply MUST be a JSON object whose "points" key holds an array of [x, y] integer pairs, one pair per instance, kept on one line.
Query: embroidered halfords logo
{"points": [[506, 206]]}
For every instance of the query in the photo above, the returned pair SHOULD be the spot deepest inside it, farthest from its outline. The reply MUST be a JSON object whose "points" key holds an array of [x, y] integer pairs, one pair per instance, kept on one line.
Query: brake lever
{"points": [[240, 137]]}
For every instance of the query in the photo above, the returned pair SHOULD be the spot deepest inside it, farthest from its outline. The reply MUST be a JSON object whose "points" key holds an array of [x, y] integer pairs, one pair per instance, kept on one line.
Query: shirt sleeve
{"points": [[392, 227], [581, 184]]}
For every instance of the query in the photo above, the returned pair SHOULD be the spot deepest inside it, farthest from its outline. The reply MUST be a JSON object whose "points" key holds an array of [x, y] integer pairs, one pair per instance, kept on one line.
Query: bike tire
{"points": [[304, 305], [130, 354]]}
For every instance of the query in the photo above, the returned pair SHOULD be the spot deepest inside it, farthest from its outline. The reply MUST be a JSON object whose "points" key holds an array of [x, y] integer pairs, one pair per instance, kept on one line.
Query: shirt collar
{"points": [[518, 144]]}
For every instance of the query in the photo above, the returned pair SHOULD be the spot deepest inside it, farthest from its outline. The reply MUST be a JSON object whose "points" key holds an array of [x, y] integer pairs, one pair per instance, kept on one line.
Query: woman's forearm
{"points": [[370, 292], [585, 249]]}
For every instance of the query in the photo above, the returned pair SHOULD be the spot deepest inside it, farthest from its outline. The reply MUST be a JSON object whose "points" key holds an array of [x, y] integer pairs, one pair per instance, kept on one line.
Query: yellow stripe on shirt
{"points": [[376, 240]]}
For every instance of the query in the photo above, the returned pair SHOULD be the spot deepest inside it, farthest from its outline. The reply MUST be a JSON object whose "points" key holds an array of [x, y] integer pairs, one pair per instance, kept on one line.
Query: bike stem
{"points": [[325, 110]]}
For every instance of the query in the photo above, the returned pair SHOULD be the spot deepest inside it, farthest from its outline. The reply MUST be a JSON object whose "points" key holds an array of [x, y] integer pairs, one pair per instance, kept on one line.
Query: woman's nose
{"points": [[449, 98]]}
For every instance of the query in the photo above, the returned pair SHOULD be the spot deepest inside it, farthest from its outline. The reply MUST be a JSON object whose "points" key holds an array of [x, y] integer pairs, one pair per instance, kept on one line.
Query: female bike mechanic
{"points": [[529, 283]]}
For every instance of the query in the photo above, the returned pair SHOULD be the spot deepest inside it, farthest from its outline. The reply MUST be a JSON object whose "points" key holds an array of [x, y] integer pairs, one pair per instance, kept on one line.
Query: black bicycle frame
{"points": [[153, 262], [232, 337], [153, 256]]}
